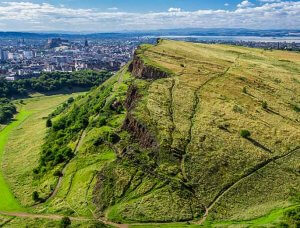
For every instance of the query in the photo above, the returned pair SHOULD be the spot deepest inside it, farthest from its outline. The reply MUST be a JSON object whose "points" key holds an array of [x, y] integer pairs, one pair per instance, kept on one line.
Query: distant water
{"points": [[237, 38]]}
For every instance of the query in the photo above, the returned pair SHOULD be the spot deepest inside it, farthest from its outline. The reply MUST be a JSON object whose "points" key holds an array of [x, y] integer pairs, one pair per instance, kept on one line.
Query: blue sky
{"points": [[116, 15], [141, 5]]}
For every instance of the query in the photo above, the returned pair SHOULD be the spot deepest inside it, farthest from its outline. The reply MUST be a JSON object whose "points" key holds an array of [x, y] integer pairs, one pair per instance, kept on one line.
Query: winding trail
{"points": [[42, 216], [59, 217], [251, 172]]}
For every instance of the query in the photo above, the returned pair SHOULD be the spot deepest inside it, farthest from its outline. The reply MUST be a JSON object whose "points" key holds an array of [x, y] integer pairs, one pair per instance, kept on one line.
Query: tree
{"points": [[35, 196], [58, 173], [65, 222], [245, 133], [49, 123], [70, 100], [264, 105]]}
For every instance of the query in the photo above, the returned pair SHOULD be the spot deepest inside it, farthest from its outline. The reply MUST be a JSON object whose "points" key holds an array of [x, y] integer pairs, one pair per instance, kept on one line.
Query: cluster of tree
{"points": [[68, 125], [49, 82], [7, 110]]}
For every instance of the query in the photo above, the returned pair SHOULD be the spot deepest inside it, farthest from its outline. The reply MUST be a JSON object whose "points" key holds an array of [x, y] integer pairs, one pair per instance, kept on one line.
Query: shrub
{"points": [[102, 121], [293, 216], [65, 222], [296, 108], [48, 123], [98, 141], [70, 100], [244, 90], [113, 138], [264, 105], [245, 133], [35, 196], [58, 173]]}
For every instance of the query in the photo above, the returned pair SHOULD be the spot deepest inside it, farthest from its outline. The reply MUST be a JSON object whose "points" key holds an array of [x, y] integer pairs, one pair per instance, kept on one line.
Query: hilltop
{"points": [[184, 132], [187, 109]]}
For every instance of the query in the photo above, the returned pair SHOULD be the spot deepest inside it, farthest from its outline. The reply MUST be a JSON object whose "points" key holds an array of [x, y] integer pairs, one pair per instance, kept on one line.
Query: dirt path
{"points": [[59, 217], [42, 216], [252, 172]]}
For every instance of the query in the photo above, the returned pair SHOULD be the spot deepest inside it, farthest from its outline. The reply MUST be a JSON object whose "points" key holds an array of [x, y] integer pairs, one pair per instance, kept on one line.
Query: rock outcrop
{"points": [[139, 69], [132, 125], [139, 131]]}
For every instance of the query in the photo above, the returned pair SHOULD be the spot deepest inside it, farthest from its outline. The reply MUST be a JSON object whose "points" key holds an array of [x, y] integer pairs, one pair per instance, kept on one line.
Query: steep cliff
{"points": [[140, 69]]}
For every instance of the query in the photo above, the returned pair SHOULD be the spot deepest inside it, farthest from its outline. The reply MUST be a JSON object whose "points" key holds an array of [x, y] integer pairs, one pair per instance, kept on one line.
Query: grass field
{"points": [[7, 200], [20, 149]]}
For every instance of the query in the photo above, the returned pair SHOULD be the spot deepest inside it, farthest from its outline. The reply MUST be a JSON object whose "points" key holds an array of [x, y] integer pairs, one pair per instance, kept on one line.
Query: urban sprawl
{"points": [[24, 58]]}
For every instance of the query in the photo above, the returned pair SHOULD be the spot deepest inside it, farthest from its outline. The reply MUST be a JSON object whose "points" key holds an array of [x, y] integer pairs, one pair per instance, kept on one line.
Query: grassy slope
{"points": [[23, 145], [7, 200], [75, 194], [200, 113]]}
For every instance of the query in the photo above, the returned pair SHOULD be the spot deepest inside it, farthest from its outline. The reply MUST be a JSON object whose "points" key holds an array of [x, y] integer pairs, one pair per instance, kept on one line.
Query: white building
{"points": [[28, 54]]}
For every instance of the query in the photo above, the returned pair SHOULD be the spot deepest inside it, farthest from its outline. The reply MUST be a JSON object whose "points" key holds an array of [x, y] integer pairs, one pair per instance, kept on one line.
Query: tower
{"points": [[86, 43]]}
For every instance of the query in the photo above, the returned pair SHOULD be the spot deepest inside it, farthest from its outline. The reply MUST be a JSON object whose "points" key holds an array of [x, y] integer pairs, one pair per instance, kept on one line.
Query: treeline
{"points": [[50, 82], [47, 82], [7, 110]]}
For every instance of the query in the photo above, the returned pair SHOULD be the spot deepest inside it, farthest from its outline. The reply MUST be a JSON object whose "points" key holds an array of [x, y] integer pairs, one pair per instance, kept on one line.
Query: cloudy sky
{"points": [[118, 15]]}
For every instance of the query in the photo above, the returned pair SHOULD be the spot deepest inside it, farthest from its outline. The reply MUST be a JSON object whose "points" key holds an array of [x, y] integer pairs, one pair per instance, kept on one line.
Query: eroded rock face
{"points": [[131, 97], [140, 70], [139, 131]]}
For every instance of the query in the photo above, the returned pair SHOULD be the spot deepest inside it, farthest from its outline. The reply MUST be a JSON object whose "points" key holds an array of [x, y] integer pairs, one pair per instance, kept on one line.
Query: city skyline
{"points": [[108, 16]]}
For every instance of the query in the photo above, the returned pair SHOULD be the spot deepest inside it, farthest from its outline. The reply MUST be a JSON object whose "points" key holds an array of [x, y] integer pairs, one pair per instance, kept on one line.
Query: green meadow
{"points": [[8, 202]]}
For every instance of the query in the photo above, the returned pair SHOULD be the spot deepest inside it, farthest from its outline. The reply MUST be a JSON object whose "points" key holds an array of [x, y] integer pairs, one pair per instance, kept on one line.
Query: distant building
{"points": [[86, 43], [28, 54], [10, 78], [56, 42], [4, 55]]}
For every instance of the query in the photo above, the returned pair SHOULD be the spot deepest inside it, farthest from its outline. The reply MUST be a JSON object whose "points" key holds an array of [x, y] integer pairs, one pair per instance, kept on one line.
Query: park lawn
{"points": [[21, 148]]}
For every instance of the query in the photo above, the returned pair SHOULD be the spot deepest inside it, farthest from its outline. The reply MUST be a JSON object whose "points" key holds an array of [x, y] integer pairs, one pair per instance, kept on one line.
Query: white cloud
{"points": [[174, 9], [22, 16], [245, 4], [226, 4], [112, 8], [269, 1]]}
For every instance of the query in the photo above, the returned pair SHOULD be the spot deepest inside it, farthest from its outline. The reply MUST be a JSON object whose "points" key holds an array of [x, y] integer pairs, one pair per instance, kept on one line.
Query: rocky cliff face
{"points": [[139, 69], [137, 129]]}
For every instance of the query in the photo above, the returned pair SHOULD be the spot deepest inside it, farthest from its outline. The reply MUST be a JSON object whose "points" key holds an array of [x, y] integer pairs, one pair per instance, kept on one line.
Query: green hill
{"points": [[185, 132]]}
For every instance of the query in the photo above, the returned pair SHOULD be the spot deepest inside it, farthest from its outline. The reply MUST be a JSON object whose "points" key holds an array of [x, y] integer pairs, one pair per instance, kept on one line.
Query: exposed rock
{"points": [[139, 131], [140, 70], [131, 97]]}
